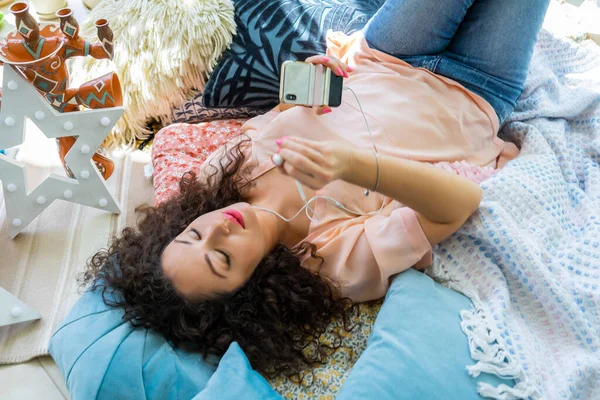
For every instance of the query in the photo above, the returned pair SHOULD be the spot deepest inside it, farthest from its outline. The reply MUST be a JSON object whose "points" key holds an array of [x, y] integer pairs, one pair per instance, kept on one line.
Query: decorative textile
{"points": [[102, 356], [323, 382], [180, 148], [163, 50], [193, 112], [530, 257], [270, 32], [417, 350], [235, 379]]}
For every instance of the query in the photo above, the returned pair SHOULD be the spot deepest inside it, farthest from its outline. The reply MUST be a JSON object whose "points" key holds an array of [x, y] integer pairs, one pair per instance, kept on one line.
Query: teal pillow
{"points": [[234, 379], [417, 349], [103, 357]]}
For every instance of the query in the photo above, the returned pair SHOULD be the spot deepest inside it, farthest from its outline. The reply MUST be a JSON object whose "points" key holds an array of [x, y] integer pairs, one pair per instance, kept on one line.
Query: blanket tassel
{"points": [[491, 356]]}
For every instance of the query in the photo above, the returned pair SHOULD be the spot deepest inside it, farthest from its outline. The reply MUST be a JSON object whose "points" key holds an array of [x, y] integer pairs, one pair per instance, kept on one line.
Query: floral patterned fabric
{"points": [[325, 381], [180, 148]]}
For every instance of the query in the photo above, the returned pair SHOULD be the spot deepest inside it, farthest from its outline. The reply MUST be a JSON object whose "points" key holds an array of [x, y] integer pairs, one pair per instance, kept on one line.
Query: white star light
{"points": [[13, 310], [21, 100]]}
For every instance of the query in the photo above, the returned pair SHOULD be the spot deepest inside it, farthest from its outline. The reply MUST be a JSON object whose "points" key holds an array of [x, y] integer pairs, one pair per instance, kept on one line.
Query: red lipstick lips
{"points": [[236, 217]]}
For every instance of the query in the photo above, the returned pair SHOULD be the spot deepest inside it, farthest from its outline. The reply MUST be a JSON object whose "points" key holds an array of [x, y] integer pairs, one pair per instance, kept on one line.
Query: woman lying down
{"points": [[265, 254]]}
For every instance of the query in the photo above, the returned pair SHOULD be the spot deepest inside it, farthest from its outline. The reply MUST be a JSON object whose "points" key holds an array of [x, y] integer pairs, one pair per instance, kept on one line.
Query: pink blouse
{"points": [[413, 114]]}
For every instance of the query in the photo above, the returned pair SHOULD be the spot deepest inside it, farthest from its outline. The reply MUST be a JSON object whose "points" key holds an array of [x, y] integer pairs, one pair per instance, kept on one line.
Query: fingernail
{"points": [[338, 71], [279, 142], [350, 69], [345, 74], [326, 110], [278, 150], [325, 59]]}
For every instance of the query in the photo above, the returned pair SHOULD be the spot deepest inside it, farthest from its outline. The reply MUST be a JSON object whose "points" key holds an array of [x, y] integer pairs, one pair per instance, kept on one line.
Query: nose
{"points": [[218, 228]]}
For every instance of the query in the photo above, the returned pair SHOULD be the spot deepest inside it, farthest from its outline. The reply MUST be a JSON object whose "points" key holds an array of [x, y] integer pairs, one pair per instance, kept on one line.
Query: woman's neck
{"points": [[285, 201]]}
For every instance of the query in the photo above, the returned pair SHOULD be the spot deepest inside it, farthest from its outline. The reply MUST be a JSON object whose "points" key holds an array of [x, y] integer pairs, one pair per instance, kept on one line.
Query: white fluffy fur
{"points": [[163, 49]]}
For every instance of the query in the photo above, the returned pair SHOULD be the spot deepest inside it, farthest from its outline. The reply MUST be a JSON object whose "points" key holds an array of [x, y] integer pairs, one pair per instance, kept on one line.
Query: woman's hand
{"points": [[314, 164], [336, 66]]}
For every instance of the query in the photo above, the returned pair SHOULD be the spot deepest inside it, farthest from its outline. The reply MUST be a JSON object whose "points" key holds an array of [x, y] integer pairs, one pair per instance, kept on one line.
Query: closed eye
{"points": [[197, 233], [227, 258]]}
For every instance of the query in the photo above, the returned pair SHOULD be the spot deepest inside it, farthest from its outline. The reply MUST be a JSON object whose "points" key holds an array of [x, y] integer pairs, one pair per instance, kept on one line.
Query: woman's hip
{"points": [[499, 93]]}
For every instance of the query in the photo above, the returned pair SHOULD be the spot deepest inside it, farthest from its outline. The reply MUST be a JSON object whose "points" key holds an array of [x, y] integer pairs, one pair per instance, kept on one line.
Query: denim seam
{"points": [[478, 71], [436, 61]]}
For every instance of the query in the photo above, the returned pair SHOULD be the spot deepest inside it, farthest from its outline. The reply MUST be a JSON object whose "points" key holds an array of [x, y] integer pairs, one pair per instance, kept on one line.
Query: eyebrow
{"points": [[212, 268]]}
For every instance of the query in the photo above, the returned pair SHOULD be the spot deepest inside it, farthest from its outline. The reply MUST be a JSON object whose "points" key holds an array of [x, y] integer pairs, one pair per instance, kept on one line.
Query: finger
{"points": [[324, 110], [309, 151], [302, 177], [303, 164], [313, 144], [336, 66], [327, 61]]}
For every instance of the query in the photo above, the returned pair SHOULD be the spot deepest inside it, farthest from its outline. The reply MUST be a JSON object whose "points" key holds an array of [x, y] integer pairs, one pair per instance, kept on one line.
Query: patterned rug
{"points": [[40, 265]]}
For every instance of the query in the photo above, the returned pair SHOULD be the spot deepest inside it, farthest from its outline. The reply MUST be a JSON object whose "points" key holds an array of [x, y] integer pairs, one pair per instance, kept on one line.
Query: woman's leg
{"points": [[492, 48], [412, 30]]}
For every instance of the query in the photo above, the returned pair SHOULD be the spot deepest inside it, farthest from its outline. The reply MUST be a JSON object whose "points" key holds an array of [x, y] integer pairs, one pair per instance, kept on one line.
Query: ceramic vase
{"points": [[105, 34], [40, 55], [68, 24], [101, 92], [26, 25]]}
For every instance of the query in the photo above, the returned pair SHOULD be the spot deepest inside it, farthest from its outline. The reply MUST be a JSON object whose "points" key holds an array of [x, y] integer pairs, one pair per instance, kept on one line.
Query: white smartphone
{"points": [[310, 85]]}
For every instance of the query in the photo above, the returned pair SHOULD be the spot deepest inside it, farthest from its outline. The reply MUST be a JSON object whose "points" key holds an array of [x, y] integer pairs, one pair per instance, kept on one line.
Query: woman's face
{"points": [[216, 253]]}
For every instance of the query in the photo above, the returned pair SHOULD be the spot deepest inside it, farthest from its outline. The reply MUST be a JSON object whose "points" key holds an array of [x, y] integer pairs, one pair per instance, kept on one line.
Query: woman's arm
{"points": [[443, 201]]}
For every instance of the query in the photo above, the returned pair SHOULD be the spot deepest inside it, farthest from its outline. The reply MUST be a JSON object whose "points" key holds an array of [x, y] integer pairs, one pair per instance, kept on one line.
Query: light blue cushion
{"points": [[103, 357], [236, 380], [417, 349]]}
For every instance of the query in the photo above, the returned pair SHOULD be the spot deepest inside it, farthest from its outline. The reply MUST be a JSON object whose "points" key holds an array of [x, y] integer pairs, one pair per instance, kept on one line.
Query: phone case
{"points": [[309, 85]]}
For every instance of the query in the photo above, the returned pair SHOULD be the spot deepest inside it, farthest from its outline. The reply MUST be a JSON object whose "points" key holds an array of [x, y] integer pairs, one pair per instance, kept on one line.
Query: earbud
{"points": [[277, 160]]}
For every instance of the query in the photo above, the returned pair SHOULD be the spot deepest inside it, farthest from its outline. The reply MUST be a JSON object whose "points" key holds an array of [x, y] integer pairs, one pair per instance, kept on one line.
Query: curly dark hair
{"points": [[278, 317]]}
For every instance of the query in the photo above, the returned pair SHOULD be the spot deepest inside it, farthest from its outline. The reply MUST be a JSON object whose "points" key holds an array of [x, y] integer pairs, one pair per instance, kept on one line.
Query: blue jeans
{"points": [[485, 45]]}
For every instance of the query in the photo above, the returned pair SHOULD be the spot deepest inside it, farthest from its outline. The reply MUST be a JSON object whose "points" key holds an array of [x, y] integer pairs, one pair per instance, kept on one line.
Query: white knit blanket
{"points": [[530, 257]]}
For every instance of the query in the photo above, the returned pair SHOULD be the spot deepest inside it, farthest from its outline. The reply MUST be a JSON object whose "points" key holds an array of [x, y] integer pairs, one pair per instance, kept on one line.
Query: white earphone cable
{"points": [[332, 201]]}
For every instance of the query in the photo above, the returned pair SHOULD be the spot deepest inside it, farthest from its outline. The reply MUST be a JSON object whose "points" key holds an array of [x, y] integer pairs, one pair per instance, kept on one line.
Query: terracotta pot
{"points": [[26, 25], [105, 34], [101, 92], [105, 165], [68, 24], [40, 55]]}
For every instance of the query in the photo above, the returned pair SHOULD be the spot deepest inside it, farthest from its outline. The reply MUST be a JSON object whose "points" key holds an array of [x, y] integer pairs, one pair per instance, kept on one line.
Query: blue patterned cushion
{"points": [[270, 32], [194, 112]]}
